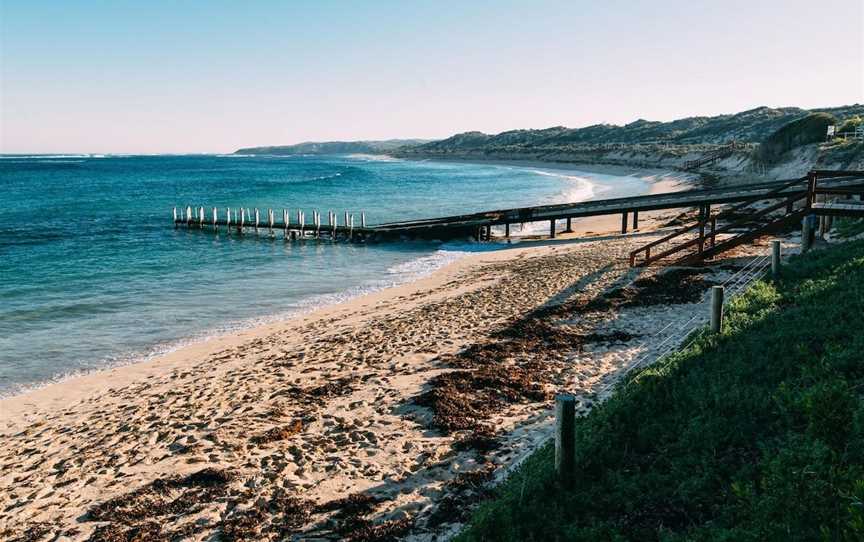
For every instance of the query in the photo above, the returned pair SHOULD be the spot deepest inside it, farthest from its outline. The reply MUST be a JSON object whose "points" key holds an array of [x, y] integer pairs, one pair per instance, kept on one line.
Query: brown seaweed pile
{"points": [[135, 515]]}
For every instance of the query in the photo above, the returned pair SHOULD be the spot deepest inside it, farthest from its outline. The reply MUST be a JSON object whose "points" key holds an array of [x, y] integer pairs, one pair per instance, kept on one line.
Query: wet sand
{"points": [[384, 416]]}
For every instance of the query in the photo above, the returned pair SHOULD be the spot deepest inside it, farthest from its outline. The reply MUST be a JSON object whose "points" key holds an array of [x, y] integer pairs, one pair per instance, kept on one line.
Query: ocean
{"points": [[94, 274]]}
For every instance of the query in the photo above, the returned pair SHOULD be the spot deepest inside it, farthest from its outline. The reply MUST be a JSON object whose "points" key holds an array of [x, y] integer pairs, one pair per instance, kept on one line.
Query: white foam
{"points": [[374, 158]]}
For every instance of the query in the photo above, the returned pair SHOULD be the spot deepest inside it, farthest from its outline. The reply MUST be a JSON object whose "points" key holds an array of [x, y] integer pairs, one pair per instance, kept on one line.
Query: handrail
{"points": [[705, 221], [724, 229]]}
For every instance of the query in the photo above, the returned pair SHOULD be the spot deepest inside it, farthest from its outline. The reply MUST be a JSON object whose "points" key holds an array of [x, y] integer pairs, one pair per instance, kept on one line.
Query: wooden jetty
{"points": [[298, 225], [249, 220]]}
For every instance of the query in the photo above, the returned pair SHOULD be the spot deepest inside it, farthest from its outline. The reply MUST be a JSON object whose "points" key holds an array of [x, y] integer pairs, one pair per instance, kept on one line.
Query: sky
{"points": [[212, 76]]}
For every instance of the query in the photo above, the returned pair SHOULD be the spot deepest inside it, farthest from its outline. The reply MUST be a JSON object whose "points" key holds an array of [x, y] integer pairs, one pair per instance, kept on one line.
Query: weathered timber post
{"points": [[552, 228], [624, 222], [188, 216], [569, 225], [716, 309], [806, 234], [363, 220], [507, 230], [228, 220], [713, 231], [175, 217], [242, 220], [775, 258], [351, 228], [565, 438], [201, 217], [317, 218], [256, 219], [215, 219], [270, 221], [635, 220]]}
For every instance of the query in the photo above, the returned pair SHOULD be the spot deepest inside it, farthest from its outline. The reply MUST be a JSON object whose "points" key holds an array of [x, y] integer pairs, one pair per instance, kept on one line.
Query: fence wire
{"points": [[677, 335]]}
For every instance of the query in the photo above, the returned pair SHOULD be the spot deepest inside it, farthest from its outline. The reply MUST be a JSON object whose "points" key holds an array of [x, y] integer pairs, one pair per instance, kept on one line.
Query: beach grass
{"points": [[756, 434]]}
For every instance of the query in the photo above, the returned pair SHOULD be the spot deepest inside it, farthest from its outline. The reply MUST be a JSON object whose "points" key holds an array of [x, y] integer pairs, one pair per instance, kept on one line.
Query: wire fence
{"points": [[677, 335]]}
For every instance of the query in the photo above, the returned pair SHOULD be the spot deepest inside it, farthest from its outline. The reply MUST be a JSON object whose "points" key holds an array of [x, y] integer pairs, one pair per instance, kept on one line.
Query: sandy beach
{"points": [[382, 417]]}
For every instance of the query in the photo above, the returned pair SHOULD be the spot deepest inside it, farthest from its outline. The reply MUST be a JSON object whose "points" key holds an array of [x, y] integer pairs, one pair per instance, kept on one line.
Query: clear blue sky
{"points": [[186, 76]]}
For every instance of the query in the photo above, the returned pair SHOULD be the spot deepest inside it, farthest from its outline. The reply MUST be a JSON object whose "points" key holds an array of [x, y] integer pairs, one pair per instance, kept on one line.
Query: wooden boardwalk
{"points": [[479, 225]]}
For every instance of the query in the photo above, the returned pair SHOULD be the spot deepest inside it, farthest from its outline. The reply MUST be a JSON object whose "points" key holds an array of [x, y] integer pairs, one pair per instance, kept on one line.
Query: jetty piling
{"points": [[175, 217]]}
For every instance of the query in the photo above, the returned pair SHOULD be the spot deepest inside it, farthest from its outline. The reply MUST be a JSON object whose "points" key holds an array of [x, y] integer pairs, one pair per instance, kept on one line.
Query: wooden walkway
{"points": [[479, 225]]}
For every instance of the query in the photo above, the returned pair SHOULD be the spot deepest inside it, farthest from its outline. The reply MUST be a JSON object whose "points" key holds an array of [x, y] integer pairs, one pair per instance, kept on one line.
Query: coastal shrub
{"points": [[755, 434], [850, 124], [803, 131]]}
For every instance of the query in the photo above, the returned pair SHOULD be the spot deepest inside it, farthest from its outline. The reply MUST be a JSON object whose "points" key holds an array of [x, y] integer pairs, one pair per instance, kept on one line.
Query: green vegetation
{"points": [[752, 126], [850, 125], [756, 434], [810, 129], [848, 227]]}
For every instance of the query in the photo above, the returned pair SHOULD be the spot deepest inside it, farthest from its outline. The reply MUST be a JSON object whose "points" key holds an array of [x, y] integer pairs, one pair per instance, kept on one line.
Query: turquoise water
{"points": [[94, 274]]}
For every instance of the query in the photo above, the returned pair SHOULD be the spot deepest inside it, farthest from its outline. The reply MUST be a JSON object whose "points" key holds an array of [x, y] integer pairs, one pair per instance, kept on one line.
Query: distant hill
{"points": [[751, 126], [335, 147]]}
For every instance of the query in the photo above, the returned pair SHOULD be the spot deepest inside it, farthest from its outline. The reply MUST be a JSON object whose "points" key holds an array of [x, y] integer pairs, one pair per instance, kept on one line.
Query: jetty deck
{"points": [[479, 225]]}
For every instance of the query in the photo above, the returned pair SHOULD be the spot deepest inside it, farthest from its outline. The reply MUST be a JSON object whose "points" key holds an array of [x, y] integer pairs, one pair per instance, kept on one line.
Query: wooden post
{"points": [[335, 224], [552, 228], [716, 309], [317, 218], [624, 222], [351, 229], [215, 218], [285, 219], [569, 225], [805, 234], [713, 231], [362, 220], [775, 258], [565, 438], [507, 230], [175, 217], [188, 216], [635, 220], [256, 219], [228, 219], [242, 220], [201, 217]]}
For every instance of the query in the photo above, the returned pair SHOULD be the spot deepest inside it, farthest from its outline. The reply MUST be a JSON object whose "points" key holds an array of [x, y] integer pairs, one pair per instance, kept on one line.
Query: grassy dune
{"points": [[757, 434]]}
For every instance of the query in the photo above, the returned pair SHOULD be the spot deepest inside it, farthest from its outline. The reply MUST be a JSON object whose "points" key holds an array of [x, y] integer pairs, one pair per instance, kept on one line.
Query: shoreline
{"points": [[658, 182], [385, 397], [590, 226]]}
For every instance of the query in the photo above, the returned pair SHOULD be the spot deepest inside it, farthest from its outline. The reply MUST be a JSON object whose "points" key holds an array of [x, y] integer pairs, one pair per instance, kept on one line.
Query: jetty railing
{"points": [[746, 227]]}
